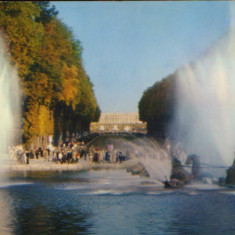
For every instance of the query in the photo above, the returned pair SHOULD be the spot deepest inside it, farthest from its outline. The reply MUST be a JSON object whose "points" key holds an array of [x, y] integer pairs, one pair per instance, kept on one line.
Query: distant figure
{"points": [[27, 157], [90, 157], [45, 154], [20, 154], [194, 159], [60, 156], [37, 153]]}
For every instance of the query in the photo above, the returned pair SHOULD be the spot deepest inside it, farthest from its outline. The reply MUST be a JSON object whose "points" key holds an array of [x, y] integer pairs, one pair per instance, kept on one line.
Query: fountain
{"points": [[9, 126], [9, 102], [153, 160], [205, 111]]}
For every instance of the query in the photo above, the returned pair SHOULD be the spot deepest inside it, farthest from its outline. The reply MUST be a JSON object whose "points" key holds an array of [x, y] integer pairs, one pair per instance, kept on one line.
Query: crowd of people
{"points": [[70, 152]]}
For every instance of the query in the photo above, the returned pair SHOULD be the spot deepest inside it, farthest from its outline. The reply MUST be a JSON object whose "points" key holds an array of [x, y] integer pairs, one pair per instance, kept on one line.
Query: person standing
{"points": [[45, 154]]}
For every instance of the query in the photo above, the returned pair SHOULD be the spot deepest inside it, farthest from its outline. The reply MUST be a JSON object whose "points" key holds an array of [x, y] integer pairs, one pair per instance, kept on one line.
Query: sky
{"points": [[128, 46]]}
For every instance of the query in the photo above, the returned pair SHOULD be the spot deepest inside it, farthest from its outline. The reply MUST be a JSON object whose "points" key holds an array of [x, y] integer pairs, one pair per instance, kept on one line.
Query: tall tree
{"points": [[59, 96], [156, 106], [24, 33]]}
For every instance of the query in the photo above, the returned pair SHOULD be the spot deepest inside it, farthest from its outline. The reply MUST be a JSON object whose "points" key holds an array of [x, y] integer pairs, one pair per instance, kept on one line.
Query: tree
{"points": [[47, 13], [24, 34], [58, 95], [156, 106]]}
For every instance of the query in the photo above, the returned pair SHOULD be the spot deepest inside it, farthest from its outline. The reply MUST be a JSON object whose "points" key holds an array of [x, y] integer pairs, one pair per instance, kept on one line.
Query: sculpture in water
{"points": [[196, 167], [9, 101]]}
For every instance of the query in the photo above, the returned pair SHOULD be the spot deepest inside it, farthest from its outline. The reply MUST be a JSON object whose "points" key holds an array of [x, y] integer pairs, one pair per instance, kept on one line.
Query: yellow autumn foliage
{"points": [[57, 94], [45, 121], [70, 93], [23, 32]]}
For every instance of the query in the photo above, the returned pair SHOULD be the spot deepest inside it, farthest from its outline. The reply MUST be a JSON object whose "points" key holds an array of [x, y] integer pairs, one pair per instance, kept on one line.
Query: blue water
{"points": [[111, 202]]}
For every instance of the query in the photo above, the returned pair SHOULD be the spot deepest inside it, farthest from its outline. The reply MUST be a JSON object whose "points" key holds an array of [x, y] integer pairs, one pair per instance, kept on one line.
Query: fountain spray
{"points": [[205, 111], [9, 101]]}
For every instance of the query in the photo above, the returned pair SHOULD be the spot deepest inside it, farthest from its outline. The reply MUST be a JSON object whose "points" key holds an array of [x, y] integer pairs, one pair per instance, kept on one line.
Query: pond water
{"points": [[111, 202]]}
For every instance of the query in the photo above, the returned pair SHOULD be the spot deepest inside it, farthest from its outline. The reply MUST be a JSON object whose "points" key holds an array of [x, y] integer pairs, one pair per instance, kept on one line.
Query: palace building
{"points": [[118, 123]]}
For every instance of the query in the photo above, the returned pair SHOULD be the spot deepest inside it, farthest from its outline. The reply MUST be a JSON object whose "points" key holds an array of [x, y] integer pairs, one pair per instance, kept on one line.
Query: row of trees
{"points": [[58, 94], [156, 106]]}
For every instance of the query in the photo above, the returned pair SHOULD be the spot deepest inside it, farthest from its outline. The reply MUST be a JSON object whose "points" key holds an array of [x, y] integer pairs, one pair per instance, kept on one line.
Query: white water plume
{"points": [[155, 158], [9, 101], [205, 110]]}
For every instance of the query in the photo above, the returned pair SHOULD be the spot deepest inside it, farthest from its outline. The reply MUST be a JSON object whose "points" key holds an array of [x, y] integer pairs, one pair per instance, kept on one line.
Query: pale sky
{"points": [[128, 46]]}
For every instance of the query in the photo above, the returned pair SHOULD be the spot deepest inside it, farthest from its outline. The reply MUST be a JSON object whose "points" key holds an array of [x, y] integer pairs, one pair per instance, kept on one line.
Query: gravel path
{"points": [[42, 165]]}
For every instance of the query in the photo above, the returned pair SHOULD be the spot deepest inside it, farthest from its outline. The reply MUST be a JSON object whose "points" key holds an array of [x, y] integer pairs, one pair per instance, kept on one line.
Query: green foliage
{"points": [[156, 106], [24, 34], [58, 94], [46, 13]]}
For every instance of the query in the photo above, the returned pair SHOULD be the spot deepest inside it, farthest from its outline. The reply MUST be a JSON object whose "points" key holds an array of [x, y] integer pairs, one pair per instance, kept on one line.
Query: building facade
{"points": [[118, 123]]}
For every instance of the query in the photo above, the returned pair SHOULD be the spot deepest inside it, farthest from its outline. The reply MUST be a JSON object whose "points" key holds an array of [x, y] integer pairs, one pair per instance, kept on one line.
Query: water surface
{"points": [[111, 202]]}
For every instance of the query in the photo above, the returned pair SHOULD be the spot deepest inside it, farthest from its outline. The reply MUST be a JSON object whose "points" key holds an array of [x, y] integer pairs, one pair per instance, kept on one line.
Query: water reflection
{"points": [[6, 218], [44, 220], [40, 209]]}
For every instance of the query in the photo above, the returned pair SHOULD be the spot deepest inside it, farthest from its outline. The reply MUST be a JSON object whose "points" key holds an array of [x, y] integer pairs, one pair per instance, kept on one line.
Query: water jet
{"points": [[9, 103], [204, 119]]}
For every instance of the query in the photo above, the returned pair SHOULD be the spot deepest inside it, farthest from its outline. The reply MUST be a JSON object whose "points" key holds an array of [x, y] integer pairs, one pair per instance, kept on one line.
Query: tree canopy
{"points": [[58, 94], [156, 106]]}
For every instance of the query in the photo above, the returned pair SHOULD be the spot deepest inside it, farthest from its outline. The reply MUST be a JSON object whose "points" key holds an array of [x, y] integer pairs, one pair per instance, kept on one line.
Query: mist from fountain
{"points": [[154, 157], [204, 119], [9, 102]]}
